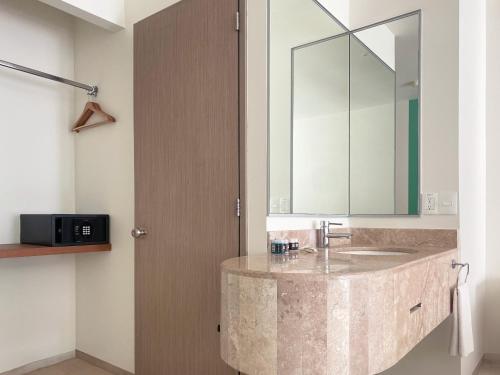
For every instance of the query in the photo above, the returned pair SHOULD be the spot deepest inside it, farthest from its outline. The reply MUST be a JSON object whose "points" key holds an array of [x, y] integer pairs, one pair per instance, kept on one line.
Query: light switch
{"points": [[448, 203], [430, 203]]}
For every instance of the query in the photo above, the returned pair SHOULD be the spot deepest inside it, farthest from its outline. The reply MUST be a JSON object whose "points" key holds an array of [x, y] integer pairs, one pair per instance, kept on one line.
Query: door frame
{"points": [[242, 8]]}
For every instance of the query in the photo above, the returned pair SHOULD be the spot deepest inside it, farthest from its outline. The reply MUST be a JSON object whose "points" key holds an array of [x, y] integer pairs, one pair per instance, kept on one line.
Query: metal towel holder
{"points": [[455, 264]]}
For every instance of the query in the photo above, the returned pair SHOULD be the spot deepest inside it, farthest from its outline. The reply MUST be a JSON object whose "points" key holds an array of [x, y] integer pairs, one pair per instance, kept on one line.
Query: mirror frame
{"points": [[347, 32]]}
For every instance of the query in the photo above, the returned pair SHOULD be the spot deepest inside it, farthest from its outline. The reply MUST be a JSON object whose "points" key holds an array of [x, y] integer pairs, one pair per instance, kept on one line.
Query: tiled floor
{"points": [[79, 367], [489, 368], [71, 367]]}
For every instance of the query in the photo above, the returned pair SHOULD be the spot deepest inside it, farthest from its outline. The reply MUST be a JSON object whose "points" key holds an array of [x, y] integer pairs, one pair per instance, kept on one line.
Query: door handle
{"points": [[138, 232]]}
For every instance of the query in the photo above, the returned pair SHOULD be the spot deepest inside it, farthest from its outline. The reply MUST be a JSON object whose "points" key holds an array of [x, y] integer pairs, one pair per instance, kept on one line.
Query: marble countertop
{"points": [[333, 263]]}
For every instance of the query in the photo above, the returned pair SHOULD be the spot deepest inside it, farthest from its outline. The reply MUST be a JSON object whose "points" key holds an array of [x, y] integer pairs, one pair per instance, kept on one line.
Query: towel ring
{"points": [[455, 264]]}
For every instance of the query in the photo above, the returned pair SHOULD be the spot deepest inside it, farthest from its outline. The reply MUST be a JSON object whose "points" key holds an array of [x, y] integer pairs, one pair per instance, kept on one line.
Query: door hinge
{"points": [[238, 207], [237, 21]]}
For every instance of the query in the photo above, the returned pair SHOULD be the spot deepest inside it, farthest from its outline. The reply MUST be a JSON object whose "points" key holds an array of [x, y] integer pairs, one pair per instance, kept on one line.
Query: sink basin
{"points": [[374, 251]]}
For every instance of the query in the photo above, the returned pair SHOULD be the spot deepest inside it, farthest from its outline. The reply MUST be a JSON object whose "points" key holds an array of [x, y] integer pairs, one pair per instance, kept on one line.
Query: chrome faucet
{"points": [[325, 233]]}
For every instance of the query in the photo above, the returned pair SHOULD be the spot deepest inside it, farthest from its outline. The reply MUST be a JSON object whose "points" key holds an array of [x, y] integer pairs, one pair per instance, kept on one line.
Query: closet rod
{"points": [[91, 90]]}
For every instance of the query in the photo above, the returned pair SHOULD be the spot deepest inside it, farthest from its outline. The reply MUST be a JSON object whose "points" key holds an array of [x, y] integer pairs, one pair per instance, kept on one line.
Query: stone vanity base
{"points": [[339, 323]]}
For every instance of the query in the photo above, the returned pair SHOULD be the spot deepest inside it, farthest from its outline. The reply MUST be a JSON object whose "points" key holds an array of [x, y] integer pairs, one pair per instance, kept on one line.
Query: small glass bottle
{"points": [[279, 247], [273, 246], [286, 247]]}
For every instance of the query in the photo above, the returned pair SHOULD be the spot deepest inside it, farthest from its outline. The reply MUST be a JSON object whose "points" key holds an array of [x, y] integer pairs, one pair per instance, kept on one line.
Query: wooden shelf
{"points": [[22, 250]]}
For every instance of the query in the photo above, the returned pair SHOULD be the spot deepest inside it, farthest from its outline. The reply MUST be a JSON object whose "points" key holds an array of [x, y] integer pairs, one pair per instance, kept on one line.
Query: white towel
{"points": [[462, 337]]}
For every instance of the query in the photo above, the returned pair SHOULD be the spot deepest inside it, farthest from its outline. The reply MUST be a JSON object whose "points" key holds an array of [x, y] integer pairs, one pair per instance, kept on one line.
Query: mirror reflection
{"points": [[292, 23], [320, 123], [344, 126], [384, 125]]}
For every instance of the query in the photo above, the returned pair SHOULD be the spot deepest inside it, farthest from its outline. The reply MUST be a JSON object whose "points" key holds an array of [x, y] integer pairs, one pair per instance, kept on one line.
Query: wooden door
{"points": [[186, 182]]}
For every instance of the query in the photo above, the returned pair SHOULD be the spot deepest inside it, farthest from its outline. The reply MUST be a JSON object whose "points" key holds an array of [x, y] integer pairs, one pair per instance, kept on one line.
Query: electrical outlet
{"points": [[448, 203], [430, 203]]}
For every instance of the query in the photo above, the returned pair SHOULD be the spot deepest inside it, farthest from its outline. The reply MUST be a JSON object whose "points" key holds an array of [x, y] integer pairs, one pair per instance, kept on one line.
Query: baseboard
{"points": [[40, 364], [492, 358], [478, 367], [100, 363]]}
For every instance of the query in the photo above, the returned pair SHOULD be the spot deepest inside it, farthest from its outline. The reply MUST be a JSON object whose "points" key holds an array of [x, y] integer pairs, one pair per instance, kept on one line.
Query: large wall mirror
{"points": [[343, 113]]}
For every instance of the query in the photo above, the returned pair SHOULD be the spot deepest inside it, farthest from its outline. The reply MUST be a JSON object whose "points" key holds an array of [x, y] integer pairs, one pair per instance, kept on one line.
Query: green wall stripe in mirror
{"points": [[413, 157]]}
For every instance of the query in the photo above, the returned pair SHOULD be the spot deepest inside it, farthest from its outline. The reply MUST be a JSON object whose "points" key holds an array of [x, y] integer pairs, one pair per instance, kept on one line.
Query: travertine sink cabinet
{"points": [[341, 315]]}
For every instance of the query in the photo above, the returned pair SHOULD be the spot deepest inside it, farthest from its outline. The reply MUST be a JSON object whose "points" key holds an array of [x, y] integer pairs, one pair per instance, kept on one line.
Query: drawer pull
{"points": [[415, 308]]}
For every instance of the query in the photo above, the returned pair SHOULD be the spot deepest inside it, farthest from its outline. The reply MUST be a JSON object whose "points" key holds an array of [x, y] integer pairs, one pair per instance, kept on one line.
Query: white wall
{"points": [[339, 8], [492, 334], [372, 165], [321, 159], [380, 40], [294, 23], [472, 162], [37, 295], [105, 182], [256, 125]]}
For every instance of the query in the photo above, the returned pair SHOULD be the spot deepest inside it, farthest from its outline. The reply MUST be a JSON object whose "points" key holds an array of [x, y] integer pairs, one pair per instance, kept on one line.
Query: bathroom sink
{"points": [[376, 251]]}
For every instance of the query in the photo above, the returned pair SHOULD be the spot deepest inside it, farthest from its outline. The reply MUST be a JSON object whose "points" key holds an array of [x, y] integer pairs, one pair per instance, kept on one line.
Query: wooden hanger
{"points": [[90, 109]]}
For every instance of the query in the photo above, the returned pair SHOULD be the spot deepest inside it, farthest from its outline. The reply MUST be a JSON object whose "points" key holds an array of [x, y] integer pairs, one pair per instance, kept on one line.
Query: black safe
{"points": [[64, 230]]}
